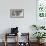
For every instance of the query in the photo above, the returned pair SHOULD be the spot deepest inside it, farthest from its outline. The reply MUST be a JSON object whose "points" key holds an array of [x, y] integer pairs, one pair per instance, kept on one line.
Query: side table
{"points": [[8, 34]]}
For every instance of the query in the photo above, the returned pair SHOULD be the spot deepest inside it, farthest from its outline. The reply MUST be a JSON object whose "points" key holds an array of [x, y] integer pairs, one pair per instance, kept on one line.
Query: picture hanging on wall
{"points": [[17, 13]]}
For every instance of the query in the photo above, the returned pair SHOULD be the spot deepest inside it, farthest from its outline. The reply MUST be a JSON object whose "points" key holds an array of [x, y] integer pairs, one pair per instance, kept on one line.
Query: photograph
{"points": [[16, 13]]}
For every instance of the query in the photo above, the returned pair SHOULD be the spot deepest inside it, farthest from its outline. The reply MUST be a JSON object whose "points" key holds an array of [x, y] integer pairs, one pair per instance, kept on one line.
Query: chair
{"points": [[26, 41], [14, 32], [7, 35]]}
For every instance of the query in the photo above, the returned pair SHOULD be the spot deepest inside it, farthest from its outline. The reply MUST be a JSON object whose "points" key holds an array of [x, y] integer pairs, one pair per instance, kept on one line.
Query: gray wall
{"points": [[24, 24]]}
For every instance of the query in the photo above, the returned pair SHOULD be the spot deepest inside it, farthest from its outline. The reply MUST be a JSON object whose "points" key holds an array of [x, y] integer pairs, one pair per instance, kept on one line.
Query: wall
{"points": [[24, 24]]}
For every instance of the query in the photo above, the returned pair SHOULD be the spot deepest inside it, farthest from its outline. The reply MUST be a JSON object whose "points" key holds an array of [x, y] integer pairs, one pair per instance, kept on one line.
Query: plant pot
{"points": [[40, 41]]}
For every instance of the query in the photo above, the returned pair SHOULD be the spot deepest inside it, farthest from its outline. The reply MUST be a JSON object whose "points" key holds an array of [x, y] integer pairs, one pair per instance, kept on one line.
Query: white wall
{"points": [[24, 24]]}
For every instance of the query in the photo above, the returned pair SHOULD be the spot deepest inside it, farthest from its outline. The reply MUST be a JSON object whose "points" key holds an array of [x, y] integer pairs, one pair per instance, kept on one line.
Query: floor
{"points": [[13, 44]]}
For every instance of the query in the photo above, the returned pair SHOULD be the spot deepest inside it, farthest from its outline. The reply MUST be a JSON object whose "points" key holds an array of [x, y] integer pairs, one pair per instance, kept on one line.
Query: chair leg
{"points": [[5, 40], [5, 43]]}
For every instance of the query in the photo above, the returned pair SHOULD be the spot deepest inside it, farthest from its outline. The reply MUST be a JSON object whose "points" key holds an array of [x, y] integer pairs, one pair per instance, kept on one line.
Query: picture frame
{"points": [[17, 13]]}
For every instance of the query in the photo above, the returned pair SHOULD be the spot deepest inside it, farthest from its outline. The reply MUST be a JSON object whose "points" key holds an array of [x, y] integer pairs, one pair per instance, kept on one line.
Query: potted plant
{"points": [[39, 35], [35, 26], [38, 27], [42, 27]]}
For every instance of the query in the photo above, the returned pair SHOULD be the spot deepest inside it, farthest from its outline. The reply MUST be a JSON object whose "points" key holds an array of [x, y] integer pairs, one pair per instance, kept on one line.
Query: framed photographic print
{"points": [[16, 13]]}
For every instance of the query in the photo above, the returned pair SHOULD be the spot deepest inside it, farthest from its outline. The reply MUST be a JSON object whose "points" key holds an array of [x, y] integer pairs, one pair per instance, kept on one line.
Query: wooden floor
{"points": [[13, 44]]}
